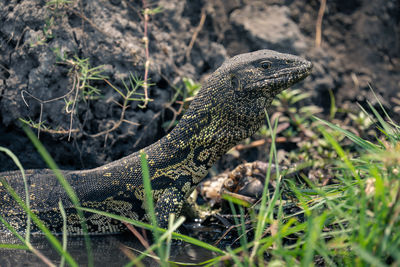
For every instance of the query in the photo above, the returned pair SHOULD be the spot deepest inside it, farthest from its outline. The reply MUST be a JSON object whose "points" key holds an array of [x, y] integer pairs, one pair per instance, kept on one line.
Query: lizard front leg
{"points": [[171, 201]]}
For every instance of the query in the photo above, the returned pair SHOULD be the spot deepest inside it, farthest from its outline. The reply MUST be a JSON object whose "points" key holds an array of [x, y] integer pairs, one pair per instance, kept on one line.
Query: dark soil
{"points": [[360, 46]]}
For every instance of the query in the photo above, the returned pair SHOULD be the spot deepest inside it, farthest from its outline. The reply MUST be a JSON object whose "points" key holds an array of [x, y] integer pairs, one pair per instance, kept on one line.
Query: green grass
{"points": [[352, 221]]}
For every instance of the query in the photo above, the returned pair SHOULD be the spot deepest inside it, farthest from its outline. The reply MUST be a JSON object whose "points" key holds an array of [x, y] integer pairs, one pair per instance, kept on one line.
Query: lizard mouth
{"points": [[282, 79], [290, 75]]}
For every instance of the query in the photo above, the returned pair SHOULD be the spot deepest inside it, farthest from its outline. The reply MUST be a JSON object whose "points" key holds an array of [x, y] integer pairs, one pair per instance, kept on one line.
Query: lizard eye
{"points": [[266, 64]]}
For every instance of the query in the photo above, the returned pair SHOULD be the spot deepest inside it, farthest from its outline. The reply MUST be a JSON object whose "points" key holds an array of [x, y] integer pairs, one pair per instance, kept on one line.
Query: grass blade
{"points": [[149, 202], [357, 140], [64, 232]]}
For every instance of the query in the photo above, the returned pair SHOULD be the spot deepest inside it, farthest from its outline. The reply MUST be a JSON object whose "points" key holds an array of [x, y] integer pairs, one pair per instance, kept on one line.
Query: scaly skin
{"points": [[229, 108]]}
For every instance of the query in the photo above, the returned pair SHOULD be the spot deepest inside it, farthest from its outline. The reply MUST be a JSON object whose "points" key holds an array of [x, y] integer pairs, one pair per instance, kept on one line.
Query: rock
{"points": [[269, 27]]}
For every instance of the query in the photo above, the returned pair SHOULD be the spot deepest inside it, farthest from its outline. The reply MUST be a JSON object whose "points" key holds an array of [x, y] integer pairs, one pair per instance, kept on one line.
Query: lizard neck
{"points": [[206, 132]]}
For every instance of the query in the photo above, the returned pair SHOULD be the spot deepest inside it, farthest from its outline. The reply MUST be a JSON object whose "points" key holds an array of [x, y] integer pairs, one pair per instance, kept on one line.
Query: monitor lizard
{"points": [[228, 108]]}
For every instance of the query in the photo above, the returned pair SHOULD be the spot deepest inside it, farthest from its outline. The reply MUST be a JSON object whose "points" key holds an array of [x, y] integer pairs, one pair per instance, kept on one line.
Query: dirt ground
{"points": [[40, 45]]}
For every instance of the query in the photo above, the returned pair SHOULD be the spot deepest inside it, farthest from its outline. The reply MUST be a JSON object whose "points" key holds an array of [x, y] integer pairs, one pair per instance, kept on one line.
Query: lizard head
{"points": [[264, 74], [250, 81]]}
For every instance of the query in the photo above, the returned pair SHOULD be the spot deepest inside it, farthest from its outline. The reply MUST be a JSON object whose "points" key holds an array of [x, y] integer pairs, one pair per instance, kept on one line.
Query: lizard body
{"points": [[229, 108]]}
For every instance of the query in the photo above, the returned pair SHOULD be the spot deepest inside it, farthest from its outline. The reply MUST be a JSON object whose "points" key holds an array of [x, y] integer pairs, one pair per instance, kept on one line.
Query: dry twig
{"points": [[146, 45], [196, 32], [318, 26]]}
